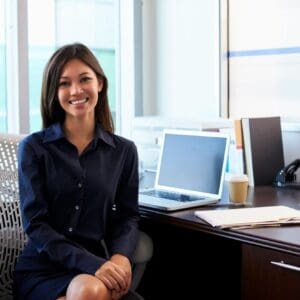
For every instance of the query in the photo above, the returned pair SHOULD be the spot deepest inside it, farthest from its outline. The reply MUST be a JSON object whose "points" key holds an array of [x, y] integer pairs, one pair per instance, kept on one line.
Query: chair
{"points": [[12, 236]]}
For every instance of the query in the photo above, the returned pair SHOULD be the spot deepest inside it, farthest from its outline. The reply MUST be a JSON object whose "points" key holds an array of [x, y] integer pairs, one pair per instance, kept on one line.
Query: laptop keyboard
{"points": [[171, 196]]}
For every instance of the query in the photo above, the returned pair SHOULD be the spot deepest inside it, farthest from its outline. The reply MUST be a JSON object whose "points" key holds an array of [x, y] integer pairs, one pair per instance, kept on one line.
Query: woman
{"points": [[78, 189]]}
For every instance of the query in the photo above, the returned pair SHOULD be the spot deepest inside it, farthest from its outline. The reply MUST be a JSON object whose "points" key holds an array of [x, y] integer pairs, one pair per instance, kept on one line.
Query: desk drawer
{"points": [[269, 274]]}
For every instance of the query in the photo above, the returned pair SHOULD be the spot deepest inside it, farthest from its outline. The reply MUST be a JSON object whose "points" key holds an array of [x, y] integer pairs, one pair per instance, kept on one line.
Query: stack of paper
{"points": [[239, 218]]}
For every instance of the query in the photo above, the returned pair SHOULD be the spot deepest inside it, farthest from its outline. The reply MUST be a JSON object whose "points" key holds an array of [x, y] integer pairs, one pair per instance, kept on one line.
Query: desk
{"points": [[233, 263]]}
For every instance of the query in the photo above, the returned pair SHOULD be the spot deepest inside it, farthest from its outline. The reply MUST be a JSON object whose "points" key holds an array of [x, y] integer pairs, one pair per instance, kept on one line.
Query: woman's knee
{"points": [[86, 286]]}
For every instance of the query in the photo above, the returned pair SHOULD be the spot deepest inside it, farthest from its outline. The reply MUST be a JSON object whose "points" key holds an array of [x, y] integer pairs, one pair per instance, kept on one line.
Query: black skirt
{"points": [[36, 277]]}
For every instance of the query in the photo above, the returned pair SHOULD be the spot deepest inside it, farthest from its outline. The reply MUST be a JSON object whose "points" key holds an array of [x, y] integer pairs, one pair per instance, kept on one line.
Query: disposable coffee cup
{"points": [[238, 188]]}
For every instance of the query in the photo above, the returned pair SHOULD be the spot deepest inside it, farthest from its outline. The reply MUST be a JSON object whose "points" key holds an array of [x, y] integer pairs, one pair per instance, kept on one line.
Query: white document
{"points": [[239, 218]]}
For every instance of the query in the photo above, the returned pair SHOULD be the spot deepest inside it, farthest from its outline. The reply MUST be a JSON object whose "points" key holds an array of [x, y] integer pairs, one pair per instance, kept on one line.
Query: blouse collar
{"points": [[55, 132]]}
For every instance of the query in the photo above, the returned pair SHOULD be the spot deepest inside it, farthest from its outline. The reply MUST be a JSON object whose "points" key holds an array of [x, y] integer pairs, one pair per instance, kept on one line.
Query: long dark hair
{"points": [[50, 107]]}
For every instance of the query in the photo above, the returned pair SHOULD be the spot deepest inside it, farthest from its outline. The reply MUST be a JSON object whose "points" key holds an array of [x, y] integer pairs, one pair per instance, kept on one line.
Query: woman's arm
{"points": [[122, 235], [123, 228]]}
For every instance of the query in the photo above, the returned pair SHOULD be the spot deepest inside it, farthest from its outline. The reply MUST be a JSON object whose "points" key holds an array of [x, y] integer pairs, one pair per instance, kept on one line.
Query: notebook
{"points": [[190, 171]]}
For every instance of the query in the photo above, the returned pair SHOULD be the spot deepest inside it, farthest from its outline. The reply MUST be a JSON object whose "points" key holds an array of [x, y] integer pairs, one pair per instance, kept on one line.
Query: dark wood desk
{"points": [[230, 263]]}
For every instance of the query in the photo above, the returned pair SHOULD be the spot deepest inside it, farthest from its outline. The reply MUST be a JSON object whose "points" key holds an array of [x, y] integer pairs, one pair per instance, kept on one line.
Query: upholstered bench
{"points": [[12, 236]]}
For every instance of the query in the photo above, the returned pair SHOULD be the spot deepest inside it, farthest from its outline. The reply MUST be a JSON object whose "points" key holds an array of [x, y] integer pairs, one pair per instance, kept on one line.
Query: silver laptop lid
{"points": [[192, 162]]}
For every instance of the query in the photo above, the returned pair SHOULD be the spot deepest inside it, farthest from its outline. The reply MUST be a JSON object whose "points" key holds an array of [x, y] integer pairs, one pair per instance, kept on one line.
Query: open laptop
{"points": [[190, 171]]}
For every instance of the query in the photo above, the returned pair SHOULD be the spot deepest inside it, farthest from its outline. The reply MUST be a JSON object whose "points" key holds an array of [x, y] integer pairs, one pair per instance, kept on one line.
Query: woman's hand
{"points": [[116, 275], [113, 276], [124, 263]]}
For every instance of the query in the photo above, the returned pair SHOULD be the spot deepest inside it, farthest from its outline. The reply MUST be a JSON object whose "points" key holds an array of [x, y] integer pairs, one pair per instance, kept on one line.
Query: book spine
{"points": [[239, 147], [248, 150]]}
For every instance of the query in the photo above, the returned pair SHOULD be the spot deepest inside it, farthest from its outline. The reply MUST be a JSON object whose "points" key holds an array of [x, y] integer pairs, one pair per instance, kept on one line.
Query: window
{"points": [[3, 114]]}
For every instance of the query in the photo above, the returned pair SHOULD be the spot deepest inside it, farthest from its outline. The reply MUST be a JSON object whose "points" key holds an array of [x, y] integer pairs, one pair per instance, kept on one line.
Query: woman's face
{"points": [[78, 89]]}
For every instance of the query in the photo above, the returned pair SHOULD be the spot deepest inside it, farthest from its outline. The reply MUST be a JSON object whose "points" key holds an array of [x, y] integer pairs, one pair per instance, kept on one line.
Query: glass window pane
{"points": [[3, 111], [91, 22], [41, 40]]}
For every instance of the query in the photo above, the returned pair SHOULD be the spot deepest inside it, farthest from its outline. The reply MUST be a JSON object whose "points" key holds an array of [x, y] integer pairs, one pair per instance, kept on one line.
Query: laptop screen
{"points": [[193, 161]]}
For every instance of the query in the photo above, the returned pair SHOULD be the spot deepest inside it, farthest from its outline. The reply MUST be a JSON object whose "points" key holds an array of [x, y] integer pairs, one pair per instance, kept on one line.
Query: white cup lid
{"points": [[237, 177]]}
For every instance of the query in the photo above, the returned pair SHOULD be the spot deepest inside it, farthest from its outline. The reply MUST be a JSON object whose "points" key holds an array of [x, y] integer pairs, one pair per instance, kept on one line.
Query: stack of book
{"points": [[263, 149]]}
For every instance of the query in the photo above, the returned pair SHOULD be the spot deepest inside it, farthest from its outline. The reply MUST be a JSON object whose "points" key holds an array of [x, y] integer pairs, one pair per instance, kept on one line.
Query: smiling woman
{"points": [[82, 233]]}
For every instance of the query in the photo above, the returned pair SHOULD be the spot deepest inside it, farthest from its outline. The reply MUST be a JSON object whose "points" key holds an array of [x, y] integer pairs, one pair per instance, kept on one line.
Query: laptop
{"points": [[190, 171]]}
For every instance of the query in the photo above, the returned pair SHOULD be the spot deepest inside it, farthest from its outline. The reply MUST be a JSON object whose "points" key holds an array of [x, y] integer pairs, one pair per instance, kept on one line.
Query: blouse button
{"points": [[79, 185], [77, 207], [70, 229]]}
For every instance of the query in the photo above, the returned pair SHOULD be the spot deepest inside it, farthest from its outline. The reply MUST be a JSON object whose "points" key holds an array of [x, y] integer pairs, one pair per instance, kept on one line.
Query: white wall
{"points": [[264, 58], [181, 58]]}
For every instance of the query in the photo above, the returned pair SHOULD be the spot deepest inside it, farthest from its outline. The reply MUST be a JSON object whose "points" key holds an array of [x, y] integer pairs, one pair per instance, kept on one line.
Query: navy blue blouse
{"points": [[65, 197]]}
